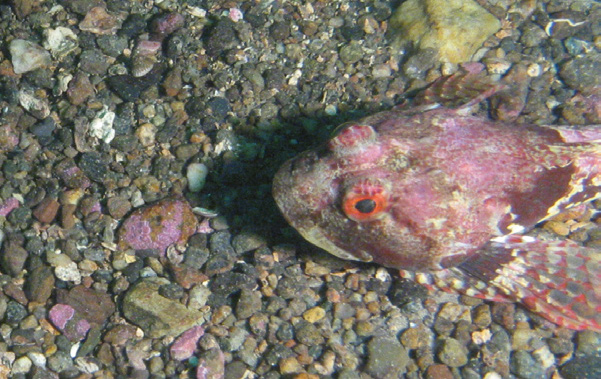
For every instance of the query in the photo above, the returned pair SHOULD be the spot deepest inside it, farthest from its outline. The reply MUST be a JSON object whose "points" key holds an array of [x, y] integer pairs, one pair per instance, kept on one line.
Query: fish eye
{"points": [[365, 201]]}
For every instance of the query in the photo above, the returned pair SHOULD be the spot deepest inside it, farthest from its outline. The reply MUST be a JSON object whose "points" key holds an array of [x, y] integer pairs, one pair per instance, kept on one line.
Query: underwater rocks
{"points": [[152, 229], [456, 29], [157, 315], [28, 56]]}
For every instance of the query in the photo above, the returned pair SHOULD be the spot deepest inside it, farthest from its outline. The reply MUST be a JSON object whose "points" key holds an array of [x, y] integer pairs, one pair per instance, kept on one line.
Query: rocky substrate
{"points": [[138, 141]]}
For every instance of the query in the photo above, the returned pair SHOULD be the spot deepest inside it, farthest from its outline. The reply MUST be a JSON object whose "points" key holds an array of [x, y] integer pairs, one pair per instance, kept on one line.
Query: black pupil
{"points": [[365, 205]]}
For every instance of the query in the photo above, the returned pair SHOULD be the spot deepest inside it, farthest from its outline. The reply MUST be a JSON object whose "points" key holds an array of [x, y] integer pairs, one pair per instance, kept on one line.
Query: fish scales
{"points": [[445, 197]]}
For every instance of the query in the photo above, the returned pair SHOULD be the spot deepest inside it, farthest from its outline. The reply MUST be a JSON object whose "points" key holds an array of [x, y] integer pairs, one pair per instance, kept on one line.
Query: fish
{"points": [[447, 196]]}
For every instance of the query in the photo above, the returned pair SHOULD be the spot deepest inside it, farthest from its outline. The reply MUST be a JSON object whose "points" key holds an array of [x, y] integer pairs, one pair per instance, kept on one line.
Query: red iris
{"points": [[365, 201]]}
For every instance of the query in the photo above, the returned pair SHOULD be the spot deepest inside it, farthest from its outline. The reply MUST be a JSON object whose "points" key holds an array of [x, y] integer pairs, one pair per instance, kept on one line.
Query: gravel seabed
{"points": [[105, 112]]}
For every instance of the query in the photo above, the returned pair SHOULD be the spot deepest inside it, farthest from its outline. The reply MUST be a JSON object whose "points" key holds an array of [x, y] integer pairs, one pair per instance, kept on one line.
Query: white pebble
{"points": [[60, 41], [37, 358], [197, 176], [102, 126], [22, 366], [68, 273], [27, 56]]}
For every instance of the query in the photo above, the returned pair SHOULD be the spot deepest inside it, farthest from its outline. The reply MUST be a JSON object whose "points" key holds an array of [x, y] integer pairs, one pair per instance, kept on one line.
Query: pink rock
{"points": [[60, 314], [185, 344], [156, 227], [8, 206]]}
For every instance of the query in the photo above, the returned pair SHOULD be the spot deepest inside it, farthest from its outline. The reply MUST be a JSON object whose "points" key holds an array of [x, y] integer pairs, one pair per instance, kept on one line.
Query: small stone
{"points": [[156, 227], [95, 306], [582, 72], [438, 371], [39, 284], [60, 314], [456, 29], [146, 133], [118, 207], [68, 273], [60, 41], [482, 316], [523, 365], [47, 210], [246, 241], [155, 314], [248, 304], [101, 126], [120, 335], [99, 21], [196, 173], [351, 53], [8, 206], [453, 353], [387, 358], [27, 56], [314, 314], [185, 345], [21, 366], [582, 366], [289, 366], [13, 257]]}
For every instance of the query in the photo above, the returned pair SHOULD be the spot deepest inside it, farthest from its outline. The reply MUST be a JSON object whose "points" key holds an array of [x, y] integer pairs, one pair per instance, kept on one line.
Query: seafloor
{"points": [[109, 105]]}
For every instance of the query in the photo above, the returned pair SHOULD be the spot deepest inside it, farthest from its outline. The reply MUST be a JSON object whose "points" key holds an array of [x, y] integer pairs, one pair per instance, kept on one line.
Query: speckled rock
{"points": [[156, 227], [184, 345], [27, 56], [452, 353], [456, 29], [155, 314], [387, 358]]}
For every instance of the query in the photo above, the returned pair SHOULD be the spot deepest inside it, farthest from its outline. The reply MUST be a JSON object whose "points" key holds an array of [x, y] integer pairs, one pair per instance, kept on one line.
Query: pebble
{"points": [[47, 210], [584, 366], [155, 314], [386, 357], [27, 56], [99, 21], [314, 314], [523, 365], [185, 345], [13, 257], [452, 353], [61, 41], [196, 173], [21, 365], [455, 29], [248, 304], [582, 72], [156, 227]]}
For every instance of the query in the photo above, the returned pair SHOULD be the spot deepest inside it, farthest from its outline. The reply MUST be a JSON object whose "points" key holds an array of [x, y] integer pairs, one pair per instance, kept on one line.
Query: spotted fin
{"points": [[560, 280]]}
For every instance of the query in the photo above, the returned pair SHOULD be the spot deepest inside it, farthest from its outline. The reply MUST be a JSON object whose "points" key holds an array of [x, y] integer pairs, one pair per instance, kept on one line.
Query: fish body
{"points": [[445, 196]]}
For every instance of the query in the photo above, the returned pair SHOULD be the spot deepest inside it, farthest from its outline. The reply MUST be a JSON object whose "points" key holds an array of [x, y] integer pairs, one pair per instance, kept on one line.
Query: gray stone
{"points": [[453, 353], [387, 358], [155, 314]]}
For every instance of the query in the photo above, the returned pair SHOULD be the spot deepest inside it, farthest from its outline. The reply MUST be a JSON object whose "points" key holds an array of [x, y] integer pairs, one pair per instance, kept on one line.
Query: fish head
{"points": [[364, 196]]}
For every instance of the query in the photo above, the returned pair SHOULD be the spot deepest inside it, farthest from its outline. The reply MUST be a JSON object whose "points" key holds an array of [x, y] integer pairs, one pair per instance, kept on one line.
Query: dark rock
{"points": [[221, 38], [39, 284], [15, 312], [526, 367], [47, 210], [94, 62], [248, 304], [386, 358], [13, 257], [94, 306], [94, 166], [582, 367]]}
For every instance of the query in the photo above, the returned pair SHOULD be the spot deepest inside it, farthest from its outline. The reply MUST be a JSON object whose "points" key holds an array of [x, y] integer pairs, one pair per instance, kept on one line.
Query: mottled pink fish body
{"points": [[446, 194]]}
